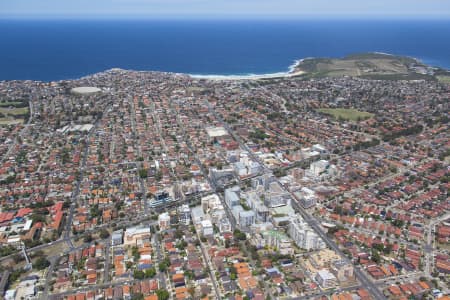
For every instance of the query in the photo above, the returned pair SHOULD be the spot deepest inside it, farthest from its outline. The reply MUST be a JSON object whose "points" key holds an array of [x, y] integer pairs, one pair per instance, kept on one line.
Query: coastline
{"points": [[291, 72], [221, 49]]}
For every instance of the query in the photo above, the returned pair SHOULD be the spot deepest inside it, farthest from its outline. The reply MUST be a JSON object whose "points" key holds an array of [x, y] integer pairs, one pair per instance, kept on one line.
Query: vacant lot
{"points": [[349, 114]]}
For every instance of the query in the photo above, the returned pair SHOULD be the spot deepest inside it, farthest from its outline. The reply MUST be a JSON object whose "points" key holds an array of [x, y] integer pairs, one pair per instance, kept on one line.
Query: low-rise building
{"points": [[303, 235], [279, 241], [207, 228], [232, 196], [342, 270], [307, 197], [246, 218], [184, 213], [117, 237], [164, 221], [326, 279], [133, 235]]}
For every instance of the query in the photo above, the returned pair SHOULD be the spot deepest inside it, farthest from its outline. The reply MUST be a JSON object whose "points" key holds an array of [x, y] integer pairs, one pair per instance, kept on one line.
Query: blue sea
{"points": [[65, 49]]}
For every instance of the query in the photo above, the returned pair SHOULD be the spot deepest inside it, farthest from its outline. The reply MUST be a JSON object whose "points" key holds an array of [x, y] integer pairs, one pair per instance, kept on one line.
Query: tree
{"points": [[376, 256], [332, 230], [181, 245], [87, 238], [387, 249], [7, 250], [15, 275], [233, 273], [143, 173], [135, 253], [398, 223], [18, 258], [41, 263], [239, 235], [162, 294], [37, 217], [138, 296], [95, 211], [179, 234], [138, 274], [104, 233], [164, 265], [150, 273]]}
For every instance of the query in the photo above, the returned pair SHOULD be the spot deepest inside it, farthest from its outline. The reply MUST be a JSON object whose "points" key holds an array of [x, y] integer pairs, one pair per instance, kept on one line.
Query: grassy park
{"points": [[445, 79], [348, 114], [12, 113]]}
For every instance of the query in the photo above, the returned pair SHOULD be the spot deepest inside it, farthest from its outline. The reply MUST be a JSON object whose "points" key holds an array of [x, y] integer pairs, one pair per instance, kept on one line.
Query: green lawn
{"points": [[12, 116], [14, 111], [8, 121], [444, 79], [7, 103], [349, 114]]}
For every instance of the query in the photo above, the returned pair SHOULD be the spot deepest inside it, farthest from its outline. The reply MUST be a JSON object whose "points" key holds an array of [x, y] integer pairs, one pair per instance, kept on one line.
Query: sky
{"points": [[224, 8]]}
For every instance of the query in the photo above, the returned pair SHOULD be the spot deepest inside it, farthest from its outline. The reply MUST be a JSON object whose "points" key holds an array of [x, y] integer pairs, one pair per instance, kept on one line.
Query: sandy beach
{"points": [[290, 73]]}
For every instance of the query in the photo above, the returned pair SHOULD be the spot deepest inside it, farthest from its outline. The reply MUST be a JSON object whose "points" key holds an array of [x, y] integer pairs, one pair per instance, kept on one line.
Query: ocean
{"points": [[65, 49]]}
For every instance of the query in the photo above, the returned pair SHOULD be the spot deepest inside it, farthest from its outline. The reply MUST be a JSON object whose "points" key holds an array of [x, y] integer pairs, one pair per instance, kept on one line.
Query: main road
{"points": [[360, 275], [76, 192], [21, 133], [429, 247], [312, 222], [207, 260]]}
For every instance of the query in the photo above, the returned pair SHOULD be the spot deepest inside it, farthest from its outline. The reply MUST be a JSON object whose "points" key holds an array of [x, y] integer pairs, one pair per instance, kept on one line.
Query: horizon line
{"points": [[284, 17]]}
